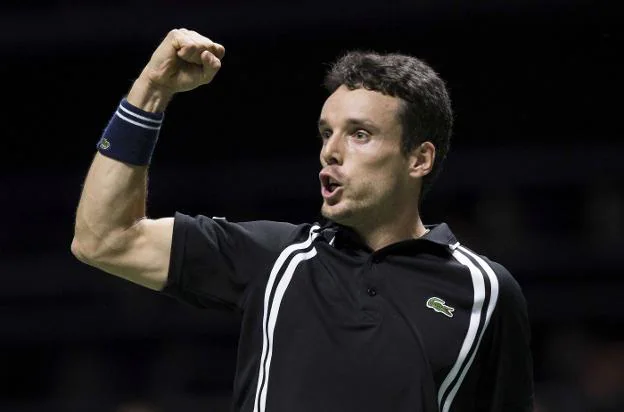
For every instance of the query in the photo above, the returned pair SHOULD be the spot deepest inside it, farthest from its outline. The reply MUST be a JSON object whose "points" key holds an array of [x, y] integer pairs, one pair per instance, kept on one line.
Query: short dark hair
{"points": [[426, 114]]}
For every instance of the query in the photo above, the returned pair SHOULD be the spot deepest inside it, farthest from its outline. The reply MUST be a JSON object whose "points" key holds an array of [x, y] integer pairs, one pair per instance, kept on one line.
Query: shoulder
{"points": [[503, 285], [509, 290], [261, 232]]}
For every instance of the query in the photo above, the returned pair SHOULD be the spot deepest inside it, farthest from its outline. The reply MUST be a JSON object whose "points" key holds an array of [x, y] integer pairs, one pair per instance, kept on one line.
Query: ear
{"points": [[421, 160]]}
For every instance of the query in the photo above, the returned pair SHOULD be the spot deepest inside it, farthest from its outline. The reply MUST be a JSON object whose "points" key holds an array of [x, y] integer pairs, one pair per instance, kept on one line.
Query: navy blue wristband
{"points": [[131, 135]]}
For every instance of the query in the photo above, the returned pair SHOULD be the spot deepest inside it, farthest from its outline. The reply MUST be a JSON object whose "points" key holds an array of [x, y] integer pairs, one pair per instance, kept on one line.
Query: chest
{"points": [[394, 320]]}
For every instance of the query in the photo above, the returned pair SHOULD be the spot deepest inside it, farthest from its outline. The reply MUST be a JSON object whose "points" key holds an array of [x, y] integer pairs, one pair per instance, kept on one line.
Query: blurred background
{"points": [[534, 178]]}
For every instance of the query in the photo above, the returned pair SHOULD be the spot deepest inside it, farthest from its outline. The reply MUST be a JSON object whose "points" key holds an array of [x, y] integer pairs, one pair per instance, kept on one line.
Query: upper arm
{"points": [[507, 376], [139, 254], [214, 261]]}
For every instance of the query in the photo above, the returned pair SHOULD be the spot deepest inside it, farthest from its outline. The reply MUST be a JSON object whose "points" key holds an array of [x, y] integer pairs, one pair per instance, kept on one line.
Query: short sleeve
{"points": [[215, 262], [505, 381]]}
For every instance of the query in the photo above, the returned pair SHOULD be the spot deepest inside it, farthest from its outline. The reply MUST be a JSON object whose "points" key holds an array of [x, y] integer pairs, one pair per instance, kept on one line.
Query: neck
{"points": [[395, 229]]}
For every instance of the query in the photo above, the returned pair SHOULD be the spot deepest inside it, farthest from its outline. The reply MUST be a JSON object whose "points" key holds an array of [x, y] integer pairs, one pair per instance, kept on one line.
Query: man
{"points": [[370, 311]]}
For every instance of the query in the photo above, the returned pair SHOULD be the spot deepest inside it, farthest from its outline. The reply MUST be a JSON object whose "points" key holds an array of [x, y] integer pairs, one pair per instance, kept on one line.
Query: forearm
{"points": [[112, 201], [114, 193]]}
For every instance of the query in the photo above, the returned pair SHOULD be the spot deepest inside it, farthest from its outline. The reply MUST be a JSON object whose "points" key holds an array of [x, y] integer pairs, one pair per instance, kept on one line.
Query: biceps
{"points": [[141, 254]]}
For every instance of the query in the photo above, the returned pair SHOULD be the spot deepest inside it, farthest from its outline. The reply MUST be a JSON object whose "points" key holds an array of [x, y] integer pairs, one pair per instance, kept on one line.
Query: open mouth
{"points": [[329, 184]]}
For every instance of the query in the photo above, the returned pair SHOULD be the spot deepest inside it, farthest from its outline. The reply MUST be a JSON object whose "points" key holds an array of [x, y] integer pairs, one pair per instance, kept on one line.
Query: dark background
{"points": [[534, 178]]}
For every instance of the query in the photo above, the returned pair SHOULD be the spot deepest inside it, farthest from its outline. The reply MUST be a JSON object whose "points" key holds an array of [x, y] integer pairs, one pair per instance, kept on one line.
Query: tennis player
{"points": [[367, 310]]}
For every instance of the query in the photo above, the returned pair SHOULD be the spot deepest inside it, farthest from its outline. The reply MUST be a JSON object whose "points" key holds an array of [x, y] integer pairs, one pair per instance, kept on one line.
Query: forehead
{"points": [[360, 104]]}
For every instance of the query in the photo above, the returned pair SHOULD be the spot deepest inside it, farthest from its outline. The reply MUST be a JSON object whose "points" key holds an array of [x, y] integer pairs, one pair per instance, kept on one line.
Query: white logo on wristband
{"points": [[104, 144]]}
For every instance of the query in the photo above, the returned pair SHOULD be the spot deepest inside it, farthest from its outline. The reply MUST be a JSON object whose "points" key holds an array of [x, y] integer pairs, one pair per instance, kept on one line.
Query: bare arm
{"points": [[112, 231]]}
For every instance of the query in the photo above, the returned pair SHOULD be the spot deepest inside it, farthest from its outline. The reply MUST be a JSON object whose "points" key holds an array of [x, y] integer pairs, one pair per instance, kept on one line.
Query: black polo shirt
{"points": [[328, 325]]}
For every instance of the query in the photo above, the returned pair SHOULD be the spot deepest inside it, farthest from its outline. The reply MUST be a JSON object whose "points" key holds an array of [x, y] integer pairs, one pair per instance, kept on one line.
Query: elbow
{"points": [[80, 252], [81, 245], [87, 249], [97, 250], [87, 245]]}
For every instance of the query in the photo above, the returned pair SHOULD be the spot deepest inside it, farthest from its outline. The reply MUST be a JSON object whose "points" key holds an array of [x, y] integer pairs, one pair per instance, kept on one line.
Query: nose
{"points": [[332, 150]]}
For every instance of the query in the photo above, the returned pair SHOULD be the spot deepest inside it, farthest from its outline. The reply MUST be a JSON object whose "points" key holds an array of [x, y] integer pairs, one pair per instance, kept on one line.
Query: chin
{"points": [[338, 213]]}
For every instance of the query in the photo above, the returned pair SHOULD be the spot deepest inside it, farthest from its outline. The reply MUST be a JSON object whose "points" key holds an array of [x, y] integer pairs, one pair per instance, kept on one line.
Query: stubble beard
{"points": [[337, 213], [363, 212], [352, 214]]}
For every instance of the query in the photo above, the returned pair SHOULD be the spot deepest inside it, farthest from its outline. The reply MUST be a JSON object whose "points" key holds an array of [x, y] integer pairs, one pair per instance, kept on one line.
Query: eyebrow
{"points": [[352, 122]]}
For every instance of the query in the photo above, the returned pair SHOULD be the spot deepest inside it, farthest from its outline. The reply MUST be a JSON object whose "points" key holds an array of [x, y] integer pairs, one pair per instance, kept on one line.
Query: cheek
{"points": [[373, 183], [373, 171]]}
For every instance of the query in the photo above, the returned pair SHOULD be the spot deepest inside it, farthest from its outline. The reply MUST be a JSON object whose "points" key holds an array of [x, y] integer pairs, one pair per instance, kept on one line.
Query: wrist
{"points": [[148, 96]]}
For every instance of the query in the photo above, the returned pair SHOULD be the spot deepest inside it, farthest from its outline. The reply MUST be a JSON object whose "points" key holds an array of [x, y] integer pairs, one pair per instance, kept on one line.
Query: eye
{"points": [[361, 134], [324, 134]]}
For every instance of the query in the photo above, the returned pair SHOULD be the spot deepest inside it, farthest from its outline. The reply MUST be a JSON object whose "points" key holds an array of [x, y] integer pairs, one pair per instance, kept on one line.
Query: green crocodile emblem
{"points": [[104, 144], [438, 305]]}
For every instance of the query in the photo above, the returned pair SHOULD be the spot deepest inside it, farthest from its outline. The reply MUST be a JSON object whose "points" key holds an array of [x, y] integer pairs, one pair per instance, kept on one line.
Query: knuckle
{"points": [[205, 42], [218, 49]]}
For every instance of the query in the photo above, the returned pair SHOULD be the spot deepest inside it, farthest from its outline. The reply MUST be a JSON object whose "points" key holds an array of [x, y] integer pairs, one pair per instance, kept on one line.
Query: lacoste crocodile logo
{"points": [[104, 144], [438, 305]]}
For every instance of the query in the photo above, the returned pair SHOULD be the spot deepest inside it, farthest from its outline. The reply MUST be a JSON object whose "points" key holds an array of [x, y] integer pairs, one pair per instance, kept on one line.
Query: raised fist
{"points": [[183, 61]]}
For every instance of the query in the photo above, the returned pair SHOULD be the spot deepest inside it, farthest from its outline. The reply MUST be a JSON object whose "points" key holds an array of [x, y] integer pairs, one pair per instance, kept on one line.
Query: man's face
{"points": [[365, 176]]}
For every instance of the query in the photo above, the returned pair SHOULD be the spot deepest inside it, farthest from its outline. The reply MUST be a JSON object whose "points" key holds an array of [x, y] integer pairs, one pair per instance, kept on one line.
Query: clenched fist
{"points": [[183, 61]]}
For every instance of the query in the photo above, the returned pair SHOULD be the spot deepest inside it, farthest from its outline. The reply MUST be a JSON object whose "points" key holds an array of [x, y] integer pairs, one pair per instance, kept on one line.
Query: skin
{"points": [[112, 231], [380, 185], [361, 134]]}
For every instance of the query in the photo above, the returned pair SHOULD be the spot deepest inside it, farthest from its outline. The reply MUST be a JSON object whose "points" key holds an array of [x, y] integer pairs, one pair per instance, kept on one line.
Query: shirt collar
{"points": [[439, 234]]}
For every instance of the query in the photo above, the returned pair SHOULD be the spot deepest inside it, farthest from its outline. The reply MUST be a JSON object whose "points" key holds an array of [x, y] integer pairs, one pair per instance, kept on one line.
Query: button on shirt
{"points": [[422, 325]]}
